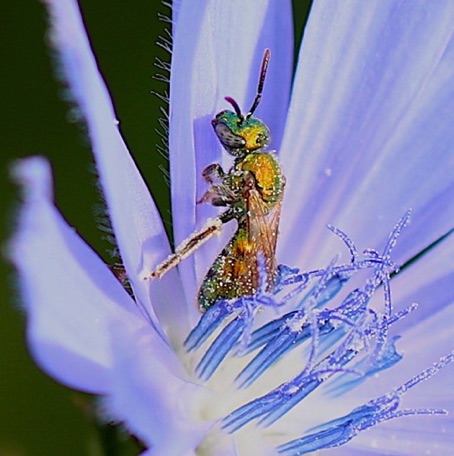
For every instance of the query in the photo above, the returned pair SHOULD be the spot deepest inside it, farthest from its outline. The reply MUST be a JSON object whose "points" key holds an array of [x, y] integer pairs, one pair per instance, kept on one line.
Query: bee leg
{"points": [[210, 195], [219, 195], [225, 200], [213, 172], [188, 246]]}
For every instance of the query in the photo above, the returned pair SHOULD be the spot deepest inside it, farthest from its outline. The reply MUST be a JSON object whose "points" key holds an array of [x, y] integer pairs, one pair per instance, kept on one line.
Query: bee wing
{"points": [[263, 226]]}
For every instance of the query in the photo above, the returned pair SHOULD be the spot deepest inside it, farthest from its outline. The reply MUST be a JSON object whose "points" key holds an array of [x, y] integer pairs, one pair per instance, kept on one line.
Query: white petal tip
{"points": [[34, 174]]}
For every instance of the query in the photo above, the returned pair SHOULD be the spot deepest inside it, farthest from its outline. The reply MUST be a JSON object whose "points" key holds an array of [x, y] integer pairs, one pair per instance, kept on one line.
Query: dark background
{"points": [[38, 416]]}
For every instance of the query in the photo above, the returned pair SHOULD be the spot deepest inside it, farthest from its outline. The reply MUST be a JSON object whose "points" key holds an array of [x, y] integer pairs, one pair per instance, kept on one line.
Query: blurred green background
{"points": [[38, 416]]}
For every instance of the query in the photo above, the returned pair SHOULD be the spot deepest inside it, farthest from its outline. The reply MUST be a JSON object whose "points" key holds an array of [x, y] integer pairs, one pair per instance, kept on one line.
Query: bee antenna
{"points": [[235, 107], [263, 70]]}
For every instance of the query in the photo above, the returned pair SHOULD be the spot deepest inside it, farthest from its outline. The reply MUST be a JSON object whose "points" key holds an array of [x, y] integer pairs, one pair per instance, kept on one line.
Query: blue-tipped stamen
{"points": [[339, 435], [287, 340], [293, 332], [384, 408], [306, 382], [283, 398], [209, 322], [346, 344], [288, 276], [220, 348], [347, 241], [293, 329], [351, 304], [346, 382]]}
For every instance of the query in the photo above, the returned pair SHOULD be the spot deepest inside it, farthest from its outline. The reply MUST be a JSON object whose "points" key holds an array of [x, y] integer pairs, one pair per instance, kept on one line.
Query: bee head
{"points": [[240, 134]]}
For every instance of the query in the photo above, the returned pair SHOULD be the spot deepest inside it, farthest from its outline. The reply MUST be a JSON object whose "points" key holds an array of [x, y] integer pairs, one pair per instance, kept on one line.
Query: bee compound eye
{"points": [[227, 137]]}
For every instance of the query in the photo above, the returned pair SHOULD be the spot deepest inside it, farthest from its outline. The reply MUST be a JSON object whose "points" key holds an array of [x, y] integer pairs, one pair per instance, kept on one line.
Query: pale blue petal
{"points": [[428, 282], [410, 436], [218, 47], [154, 453], [69, 295], [347, 450], [138, 228], [369, 132], [152, 396]]}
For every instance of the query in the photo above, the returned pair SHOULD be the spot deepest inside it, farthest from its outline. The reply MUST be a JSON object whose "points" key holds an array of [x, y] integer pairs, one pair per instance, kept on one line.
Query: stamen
{"points": [[283, 398], [288, 339], [339, 435], [395, 233], [303, 384], [291, 334], [209, 322], [345, 382], [425, 375], [358, 333], [288, 332], [220, 348], [244, 308], [384, 408], [348, 242]]}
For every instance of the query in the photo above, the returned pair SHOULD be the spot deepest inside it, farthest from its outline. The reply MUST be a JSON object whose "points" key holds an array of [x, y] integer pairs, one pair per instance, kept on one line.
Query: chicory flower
{"points": [[363, 134]]}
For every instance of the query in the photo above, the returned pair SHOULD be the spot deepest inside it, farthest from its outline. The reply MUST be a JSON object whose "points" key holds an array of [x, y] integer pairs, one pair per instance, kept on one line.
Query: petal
{"points": [[69, 294], [369, 132], [347, 450], [428, 282], [218, 47], [138, 228], [154, 399], [399, 440]]}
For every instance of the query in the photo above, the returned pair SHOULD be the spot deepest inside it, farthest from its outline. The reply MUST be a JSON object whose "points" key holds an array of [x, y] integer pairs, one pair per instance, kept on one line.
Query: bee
{"points": [[252, 192]]}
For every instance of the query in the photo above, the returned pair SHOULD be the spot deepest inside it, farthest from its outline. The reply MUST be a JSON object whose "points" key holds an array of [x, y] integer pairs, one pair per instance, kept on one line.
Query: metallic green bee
{"points": [[252, 192]]}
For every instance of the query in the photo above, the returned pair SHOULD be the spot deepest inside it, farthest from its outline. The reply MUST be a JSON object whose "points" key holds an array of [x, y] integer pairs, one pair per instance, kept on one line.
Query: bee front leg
{"points": [[219, 195], [213, 172]]}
